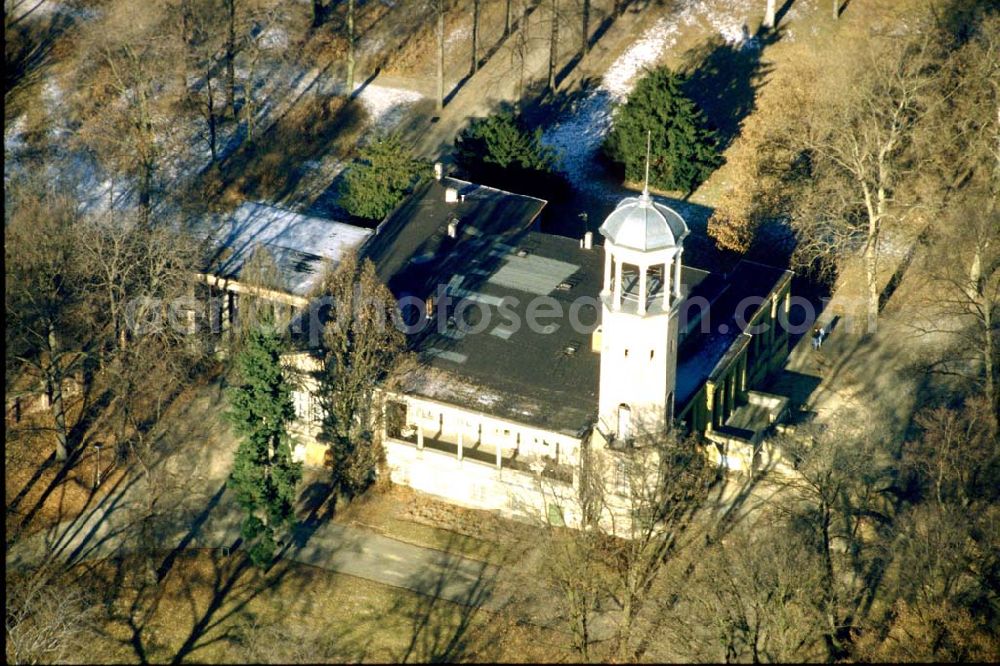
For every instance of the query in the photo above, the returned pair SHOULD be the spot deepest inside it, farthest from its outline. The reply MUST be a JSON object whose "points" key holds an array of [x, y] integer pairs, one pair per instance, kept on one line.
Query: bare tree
{"points": [[125, 52], [141, 281], [46, 295], [839, 492], [956, 453], [960, 147], [46, 621], [439, 10], [575, 568], [858, 148], [363, 349], [746, 597], [637, 507]]}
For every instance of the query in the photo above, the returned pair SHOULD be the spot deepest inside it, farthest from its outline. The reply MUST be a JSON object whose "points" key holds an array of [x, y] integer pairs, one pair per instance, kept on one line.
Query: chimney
{"points": [[588, 240], [438, 171], [450, 195], [453, 228]]}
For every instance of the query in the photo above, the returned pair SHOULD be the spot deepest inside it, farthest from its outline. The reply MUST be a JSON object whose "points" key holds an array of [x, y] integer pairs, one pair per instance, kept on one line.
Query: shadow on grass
{"points": [[724, 77], [441, 617]]}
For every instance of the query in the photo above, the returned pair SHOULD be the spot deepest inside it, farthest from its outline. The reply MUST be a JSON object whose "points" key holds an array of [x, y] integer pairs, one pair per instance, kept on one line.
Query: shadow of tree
{"points": [[441, 620], [724, 77]]}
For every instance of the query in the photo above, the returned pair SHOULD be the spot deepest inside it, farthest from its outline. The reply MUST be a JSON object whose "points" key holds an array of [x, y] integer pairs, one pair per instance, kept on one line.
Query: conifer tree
{"points": [[500, 150], [684, 150], [264, 477], [383, 173]]}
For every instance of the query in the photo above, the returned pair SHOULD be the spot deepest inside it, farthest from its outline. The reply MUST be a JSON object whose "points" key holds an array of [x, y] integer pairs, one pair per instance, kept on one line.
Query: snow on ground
{"points": [[578, 135], [459, 34], [386, 106], [46, 8], [274, 38]]}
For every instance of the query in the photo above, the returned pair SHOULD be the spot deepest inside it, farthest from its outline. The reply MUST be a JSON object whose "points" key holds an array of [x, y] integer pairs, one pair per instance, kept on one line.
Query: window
{"points": [[315, 410], [621, 477], [300, 400], [624, 421]]}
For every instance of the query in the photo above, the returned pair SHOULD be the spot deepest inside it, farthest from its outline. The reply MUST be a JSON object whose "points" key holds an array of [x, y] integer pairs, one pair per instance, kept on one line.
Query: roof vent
{"points": [[438, 171], [522, 252], [450, 195], [571, 348], [453, 227], [564, 286]]}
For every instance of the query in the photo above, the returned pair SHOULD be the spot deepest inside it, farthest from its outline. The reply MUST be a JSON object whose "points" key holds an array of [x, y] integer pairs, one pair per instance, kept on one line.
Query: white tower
{"points": [[641, 295]]}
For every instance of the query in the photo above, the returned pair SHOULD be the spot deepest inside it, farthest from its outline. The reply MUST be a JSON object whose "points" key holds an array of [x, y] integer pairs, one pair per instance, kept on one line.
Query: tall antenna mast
{"points": [[645, 186]]}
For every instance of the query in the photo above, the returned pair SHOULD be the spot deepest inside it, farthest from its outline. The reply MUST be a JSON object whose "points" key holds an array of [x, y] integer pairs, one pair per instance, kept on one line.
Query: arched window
{"points": [[624, 421]]}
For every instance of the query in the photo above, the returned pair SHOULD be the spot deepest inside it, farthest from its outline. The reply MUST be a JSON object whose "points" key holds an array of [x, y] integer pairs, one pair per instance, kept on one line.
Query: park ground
{"points": [[209, 605]]}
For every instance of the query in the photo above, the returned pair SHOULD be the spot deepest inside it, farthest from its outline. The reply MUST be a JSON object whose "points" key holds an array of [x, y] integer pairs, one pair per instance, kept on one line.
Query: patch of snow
{"points": [[274, 38], [32, 9], [13, 137], [386, 106], [577, 136], [488, 399], [459, 34]]}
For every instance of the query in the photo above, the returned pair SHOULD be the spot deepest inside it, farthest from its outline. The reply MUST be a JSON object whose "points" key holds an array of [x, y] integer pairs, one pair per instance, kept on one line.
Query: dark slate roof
{"points": [[411, 249], [544, 375], [704, 353], [547, 376]]}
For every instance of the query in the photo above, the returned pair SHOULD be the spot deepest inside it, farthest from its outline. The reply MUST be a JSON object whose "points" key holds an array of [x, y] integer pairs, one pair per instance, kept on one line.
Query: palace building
{"points": [[532, 346]]}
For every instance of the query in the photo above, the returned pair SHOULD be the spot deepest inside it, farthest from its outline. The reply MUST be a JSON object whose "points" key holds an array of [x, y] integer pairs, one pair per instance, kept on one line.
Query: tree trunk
{"points": [[185, 50], [249, 111], [585, 27], [350, 47], [553, 45], [230, 59], [440, 58], [53, 379], [769, 15], [210, 113], [832, 637], [871, 280], [507, 17], [475, 35], [982, 308]]}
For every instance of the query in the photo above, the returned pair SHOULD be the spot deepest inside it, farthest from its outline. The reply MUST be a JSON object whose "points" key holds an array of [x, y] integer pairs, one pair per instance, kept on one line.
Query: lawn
{"points": [[209, 608]]}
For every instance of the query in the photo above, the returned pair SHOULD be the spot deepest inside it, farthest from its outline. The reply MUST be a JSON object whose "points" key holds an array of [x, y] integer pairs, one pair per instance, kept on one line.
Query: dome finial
{"points": [[645, 185]]}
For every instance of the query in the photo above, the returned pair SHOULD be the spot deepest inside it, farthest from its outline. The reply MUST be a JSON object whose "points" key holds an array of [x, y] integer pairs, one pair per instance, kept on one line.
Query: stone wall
{"points": [[477, 485]]}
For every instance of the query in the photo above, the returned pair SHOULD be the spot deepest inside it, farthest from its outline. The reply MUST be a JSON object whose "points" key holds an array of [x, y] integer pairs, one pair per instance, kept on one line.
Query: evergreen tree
{"points": [[384, 172], [684, 151], [263, 477], [500, 150]]}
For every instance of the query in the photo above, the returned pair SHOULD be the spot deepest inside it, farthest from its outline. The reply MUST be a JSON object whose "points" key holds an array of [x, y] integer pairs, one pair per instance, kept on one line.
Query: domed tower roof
{"points": [[643, 224]]}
